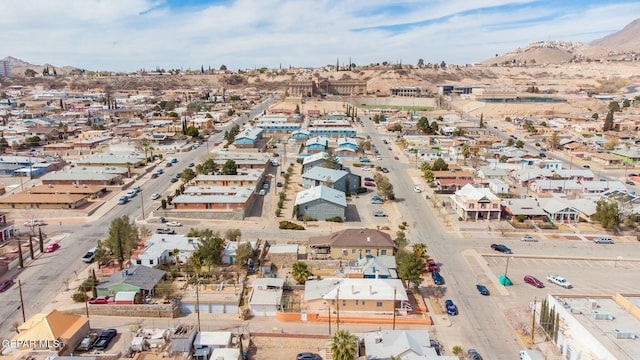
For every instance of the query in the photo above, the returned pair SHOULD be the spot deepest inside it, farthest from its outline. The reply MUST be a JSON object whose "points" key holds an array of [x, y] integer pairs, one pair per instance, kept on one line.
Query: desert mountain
{"points": [[14, 62], [627, 39]]}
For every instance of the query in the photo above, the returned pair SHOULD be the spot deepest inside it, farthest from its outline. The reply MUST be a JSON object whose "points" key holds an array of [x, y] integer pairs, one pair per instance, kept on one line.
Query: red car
{"points": [[154, 176], [396, 158], [369, 183], [533, 281], [101, 300], [5, 284], [52, 247], [432, 265]]}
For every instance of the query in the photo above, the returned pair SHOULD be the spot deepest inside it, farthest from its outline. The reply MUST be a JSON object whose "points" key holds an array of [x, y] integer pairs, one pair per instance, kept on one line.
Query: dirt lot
{"points": [[278, 348]]}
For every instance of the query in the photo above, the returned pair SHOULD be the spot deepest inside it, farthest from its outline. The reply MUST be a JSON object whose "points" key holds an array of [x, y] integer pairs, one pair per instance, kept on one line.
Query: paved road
{"points": [[480, 324]]}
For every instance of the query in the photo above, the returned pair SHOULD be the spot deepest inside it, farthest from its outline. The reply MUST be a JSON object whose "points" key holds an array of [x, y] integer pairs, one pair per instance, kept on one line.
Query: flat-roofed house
{"points": [[355, 297], [237, 201], [265, 298], [25, 200], [244, 178], [105, 176], [159, 250], [113, 159]]}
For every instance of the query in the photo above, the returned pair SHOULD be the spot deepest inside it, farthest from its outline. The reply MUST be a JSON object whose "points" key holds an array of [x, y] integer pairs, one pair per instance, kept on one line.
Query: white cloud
{"points": [[131, 34]]}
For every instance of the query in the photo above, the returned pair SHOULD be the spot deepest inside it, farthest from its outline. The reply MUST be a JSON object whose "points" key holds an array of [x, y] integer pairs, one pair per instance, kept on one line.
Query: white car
{"points": [[603, 240], [366, 168], [34, 223], [417, 189], [379, 213], [528, 238], [560, 281], [174, 224], [155, 196]]}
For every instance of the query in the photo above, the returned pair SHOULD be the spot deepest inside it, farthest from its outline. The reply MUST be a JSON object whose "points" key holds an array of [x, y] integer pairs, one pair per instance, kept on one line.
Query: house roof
{"points": [[370, 238], [568, 173], [251, 134], [323, 174], [157, 244], [355, 289], [320, 140], [557, 184], [486, 172], [473, 193], [527, 207], [404, 343], [27, 198], [315, 157], [347, 141], [51, 326], [283, 248], [321, 192], [232, 246], [213, 339], [140, 276]]}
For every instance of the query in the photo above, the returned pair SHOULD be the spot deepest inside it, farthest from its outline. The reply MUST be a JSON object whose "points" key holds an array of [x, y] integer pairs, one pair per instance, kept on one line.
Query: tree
{"points": [[608, 122], [465, 151], [397, 127], [187, 175], [166, 289], [420, 63], [385, 188], [343, 345], [297, 110], [553, 142], [230, 168], [223, 67], [420, 250], [439, 165], [423, 125], [122, 238], [300, 272], [364, 145], [595, 116], [410, 269], [434, 126], [331, 162], [233, 235], [481, 121], [41, 240], [519, 144], [244, 253], [193, 132], [30, 73], [614, 106], [607, 213], [210, 246]]}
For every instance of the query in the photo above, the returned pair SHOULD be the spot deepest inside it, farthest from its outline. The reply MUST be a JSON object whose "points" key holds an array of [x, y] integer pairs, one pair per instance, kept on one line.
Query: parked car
{"points": [[168, 231], [473, 354], [191, 165], [586, 166], [531, 280], [137, 189], [123, 200], [5, 284], [105, 338], [52, 247], [437, 278], [417, 189], [501, 248], [385, 170], [159, 171], [366, 168], [34, 222], [379, 213], [629, 182], [262, 192], [174, 224], [603, 240], [279, 184], [452, 309], [308, 356], [101, 300], [368, 178], [169, 164], [396, 158], [482, 289], [529, 238], [377, 201], [560, 281], [432, 265], [174, 179], [154, 175], [87, 342], [88, 257], [131, 194], [174, 160], [369, 183], [155, 196]]}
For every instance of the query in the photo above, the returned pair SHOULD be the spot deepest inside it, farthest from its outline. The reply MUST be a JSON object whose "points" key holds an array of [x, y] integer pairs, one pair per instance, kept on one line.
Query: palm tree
{"points": [[176, 251], [343, 345], [300, 271]]}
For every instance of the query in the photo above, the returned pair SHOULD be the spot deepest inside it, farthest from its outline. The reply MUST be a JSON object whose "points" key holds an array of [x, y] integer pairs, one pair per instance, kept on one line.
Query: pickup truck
{"points": [[560, 281]]}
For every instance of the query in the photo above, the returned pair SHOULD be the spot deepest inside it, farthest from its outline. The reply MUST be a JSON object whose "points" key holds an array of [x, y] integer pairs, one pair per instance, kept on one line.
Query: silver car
{"points": [[603, 240]]}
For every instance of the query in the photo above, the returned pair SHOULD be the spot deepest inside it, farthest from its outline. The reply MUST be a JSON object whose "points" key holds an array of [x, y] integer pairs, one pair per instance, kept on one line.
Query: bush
{"points": [[280, 204], [520, 218], [299, 160], [288, 225], [337, 219], [282, 195], [87, 285], [278, 212], [307, 218], [79, 297]]}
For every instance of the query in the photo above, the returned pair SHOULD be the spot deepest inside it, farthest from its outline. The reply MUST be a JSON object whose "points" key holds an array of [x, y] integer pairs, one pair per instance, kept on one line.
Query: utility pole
{"points": [[86, 306], [338, 310], [533, 319], [394, 308], [24, 319], [198, 300], [329, 320], [142, 202]]}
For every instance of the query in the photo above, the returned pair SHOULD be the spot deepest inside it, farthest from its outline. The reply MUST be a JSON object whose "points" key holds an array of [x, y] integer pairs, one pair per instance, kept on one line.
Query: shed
{"points": [[213, 339], [127, 297]]}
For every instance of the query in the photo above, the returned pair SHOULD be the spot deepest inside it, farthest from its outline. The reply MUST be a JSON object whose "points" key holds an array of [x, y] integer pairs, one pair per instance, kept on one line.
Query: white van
{"points": [[88, 257]]}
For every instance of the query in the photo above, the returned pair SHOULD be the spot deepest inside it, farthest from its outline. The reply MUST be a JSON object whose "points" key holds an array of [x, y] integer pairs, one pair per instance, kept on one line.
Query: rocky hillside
{"points": [[627, 39]]}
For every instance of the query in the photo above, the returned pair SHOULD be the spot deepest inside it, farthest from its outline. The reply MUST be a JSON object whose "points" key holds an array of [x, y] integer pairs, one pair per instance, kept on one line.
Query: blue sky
{"points": [[126, 35]]}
